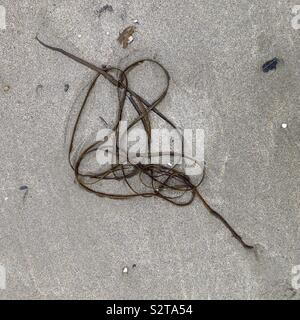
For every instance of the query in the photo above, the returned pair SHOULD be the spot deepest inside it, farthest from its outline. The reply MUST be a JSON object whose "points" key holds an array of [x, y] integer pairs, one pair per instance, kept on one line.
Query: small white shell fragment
{"points": [[79, 36], [125, 270], [284, 125], [136, 21], [6, 198], [130, 39], [6, 88]]}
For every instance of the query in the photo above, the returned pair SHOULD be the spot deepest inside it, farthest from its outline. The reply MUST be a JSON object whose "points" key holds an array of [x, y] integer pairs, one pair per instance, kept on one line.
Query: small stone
{"points": [[270, 65], [6, 88], [23, 188], [6, 198], [67, 87], [136, 21], [125, 270], [79, 36], [284, 125]]}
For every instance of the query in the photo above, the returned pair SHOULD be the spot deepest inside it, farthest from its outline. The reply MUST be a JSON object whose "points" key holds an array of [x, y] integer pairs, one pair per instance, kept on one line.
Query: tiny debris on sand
{"points": [[39, 88], [106, 8], [67, 87], [25, 189], [125, 270], [270, 65], [130, 39], [126, 36]]}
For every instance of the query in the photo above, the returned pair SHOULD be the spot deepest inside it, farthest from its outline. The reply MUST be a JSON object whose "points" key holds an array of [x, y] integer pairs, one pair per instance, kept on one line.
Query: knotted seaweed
{"points": [[169, 183]]}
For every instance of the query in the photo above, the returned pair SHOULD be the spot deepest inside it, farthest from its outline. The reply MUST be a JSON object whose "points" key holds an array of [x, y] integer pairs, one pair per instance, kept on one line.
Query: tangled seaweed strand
{"points": [[162, 178]]}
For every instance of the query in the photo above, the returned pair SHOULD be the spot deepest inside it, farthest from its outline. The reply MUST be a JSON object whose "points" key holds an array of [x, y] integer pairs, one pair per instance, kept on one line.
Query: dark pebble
{"points": [[270, 65]]}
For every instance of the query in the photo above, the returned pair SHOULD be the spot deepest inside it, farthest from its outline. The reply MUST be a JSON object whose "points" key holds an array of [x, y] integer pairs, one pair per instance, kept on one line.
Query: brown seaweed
{"points": [[163, 179]]}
